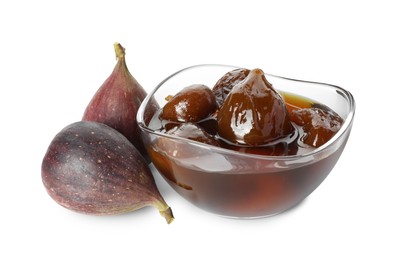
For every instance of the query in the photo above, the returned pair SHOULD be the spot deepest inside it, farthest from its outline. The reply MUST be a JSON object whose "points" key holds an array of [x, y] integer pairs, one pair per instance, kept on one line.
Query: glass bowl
{"points": [[233, 183]]}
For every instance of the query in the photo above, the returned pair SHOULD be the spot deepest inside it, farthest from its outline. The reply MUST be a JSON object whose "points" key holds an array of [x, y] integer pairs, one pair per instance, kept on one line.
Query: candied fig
{"points": [[117, 101], [253, 113], [225, 84], [193, 132], [191, 104], [209, 125], [91, 168], [319, 125], [181, 149]]}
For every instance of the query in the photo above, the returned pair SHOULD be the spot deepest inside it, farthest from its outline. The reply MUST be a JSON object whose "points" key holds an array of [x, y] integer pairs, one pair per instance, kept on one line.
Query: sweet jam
{"points": [[235, 184], [206, 131]]}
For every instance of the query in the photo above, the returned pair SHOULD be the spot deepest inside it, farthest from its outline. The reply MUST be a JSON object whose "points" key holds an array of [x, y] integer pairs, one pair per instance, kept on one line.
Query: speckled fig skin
{"points": [[93, 169], [117, 101]]}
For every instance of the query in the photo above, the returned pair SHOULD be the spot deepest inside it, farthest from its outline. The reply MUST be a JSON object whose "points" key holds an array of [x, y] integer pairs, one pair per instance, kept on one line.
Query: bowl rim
{"points": [[339, 90]]}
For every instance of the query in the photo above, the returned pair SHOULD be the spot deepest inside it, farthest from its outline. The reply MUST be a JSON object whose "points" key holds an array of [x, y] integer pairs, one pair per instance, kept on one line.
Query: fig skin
{"points": [[191, 104], [225, 84], [253, 113], [117, 101], [91, 168]]}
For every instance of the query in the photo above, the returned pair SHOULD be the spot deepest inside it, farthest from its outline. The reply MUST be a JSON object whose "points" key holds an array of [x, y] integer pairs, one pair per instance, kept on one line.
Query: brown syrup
{"points": [[244, 186]]}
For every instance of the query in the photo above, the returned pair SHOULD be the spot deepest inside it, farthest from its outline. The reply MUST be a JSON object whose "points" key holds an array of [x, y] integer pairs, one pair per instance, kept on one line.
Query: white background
{"points": [[54, 55]]}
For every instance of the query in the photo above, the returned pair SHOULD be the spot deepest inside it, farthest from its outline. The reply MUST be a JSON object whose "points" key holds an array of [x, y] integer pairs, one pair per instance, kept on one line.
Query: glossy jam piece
{"points": [[181, 149], [225, 84], [253, 113], [191, 104], [319, 125], [193, 132]]}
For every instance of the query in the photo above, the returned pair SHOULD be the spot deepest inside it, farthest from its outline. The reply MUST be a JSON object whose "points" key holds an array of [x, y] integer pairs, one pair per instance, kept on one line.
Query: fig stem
{"points": [[168, 215], [258, 72], [165, 211], [119, 50]]}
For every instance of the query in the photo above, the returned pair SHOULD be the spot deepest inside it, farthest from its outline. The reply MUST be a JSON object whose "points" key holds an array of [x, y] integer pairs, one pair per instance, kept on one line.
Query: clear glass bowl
{"points": [[237, 184]]}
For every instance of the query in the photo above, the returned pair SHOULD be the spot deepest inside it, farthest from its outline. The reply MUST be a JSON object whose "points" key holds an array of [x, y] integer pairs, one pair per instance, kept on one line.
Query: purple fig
{"points": [[91, 168], [117, 101]]}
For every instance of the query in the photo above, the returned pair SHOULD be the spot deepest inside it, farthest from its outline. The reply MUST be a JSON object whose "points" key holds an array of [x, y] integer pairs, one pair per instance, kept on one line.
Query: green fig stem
{"points": [[165, 210], [119, 50]]}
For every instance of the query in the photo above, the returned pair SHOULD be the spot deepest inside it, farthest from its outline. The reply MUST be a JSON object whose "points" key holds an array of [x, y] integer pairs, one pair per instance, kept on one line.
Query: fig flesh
{"points": [[91, 168], [254, 113], [191, 104], [117, 101]]}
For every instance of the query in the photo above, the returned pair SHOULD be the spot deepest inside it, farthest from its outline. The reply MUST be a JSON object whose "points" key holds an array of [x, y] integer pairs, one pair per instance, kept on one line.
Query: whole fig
{"points": [[319, 125], [191, 104], [253, 113], [117, 101], [91, 168]]}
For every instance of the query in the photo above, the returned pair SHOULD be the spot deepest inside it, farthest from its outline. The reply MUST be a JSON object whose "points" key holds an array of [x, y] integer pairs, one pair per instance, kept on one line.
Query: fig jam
{"points": [[203, 167]]}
